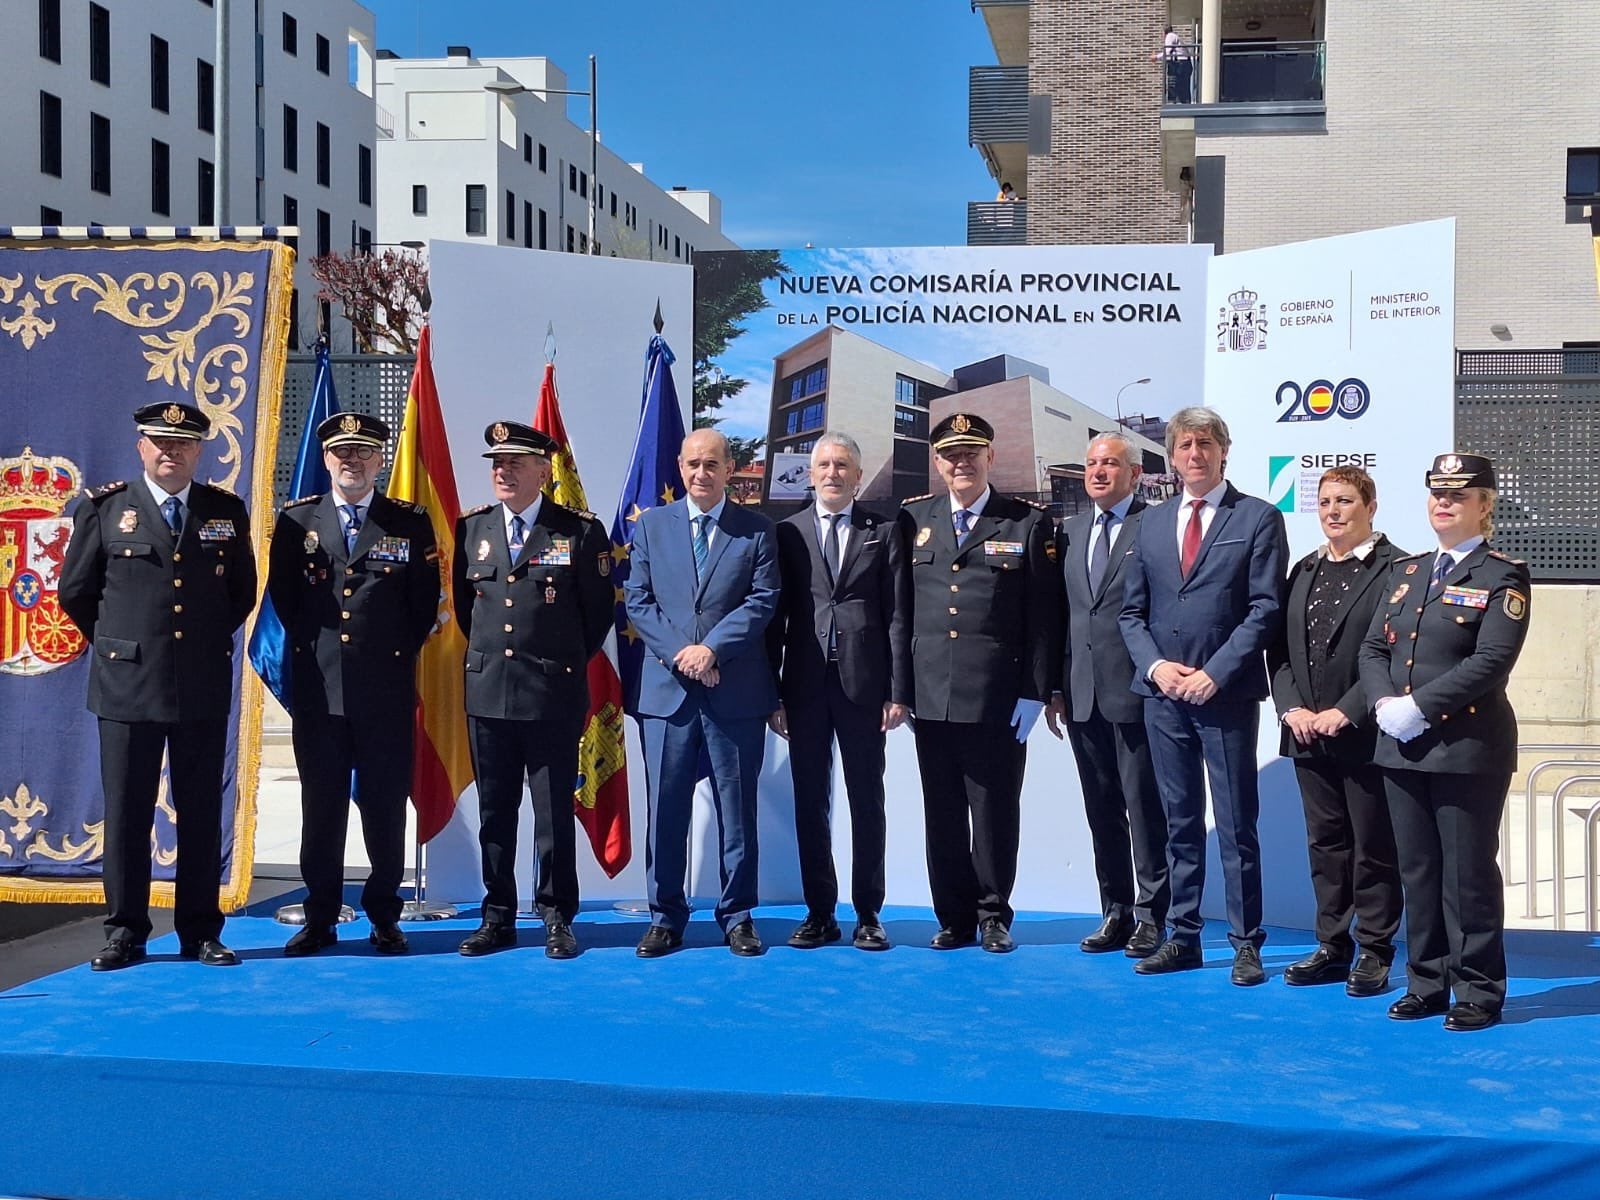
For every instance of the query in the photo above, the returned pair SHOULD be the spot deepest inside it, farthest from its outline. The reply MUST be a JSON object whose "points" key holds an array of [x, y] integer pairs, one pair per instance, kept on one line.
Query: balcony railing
{"points": [[997, 222], [1252, 73], [997, 105]]}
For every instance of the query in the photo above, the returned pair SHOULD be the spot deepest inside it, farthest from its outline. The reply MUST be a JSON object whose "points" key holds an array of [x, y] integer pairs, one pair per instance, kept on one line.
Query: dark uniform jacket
{"points": [[531, 625], [1341, 670], [1095, 667], [1452, 655], [355, 622], [866, 611], [161, 612], [986, 616]]}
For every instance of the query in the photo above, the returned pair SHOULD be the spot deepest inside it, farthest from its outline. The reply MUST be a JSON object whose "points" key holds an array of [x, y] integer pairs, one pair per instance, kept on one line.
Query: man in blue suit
{"points": [[1200, 609], [702, 589]]}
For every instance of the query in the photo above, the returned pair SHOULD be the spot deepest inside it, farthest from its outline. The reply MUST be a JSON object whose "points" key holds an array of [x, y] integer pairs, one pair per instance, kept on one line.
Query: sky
{"points": [[834, 122]]}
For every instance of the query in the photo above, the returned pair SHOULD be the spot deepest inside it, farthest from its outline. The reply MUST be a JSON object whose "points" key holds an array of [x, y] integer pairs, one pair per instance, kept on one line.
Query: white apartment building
{"points": [[117, 107], [475, 149]]}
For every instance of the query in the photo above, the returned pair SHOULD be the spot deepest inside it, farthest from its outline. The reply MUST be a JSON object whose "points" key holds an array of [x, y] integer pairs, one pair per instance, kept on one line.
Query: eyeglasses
{"points": [[342, 453], [171, 445]]}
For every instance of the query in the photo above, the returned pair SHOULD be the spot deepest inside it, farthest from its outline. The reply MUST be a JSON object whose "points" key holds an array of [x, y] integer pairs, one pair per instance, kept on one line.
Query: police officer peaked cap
{"points": [[961, 429], [512, 437], [1452, 471], [352, 429], [169, 419]]}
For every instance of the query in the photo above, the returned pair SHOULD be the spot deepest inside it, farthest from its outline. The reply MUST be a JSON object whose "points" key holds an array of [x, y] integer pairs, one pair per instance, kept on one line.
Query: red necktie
{"points": [[1191, 538]]}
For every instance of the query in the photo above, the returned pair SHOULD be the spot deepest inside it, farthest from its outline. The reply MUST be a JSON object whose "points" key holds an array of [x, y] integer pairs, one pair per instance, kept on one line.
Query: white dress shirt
{"points": [[846, 515], [160, 494], [1457, 552], [974, 510], [529, 515], [1097, 526], [1208, 514], [713, 528]]}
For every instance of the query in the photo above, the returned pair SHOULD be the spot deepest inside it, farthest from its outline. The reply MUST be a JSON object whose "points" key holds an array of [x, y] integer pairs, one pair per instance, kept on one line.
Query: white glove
{"points": [[1023, 717], [1400, 718]]}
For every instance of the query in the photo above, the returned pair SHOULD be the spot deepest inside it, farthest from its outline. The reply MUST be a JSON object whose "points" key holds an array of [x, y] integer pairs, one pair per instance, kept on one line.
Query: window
{"points": [[572, 177], [511, 216], [291, 35], [527, 148], [49, 134], [419, 199], [583, 184], [572, 239], [911, 423], [599, 195], [324, 232], [477, 210], [324, 56], [160, 178], [677, 247], [50, 31], [583, 243], [613, 205], [364, 175], [324, 155], [544, 230], [207, 208], [527, 224], [291, 139], [363, 241], [809, 417], [48, 215], [291, 216], [159, 100], [1583, 175], [544, 160], [99, 44], [294, 319], [205, 96], [99, 153]]}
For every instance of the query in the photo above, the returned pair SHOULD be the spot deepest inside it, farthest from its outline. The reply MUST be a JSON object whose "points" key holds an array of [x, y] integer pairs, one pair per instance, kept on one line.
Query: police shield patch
{"points": [[1516, 604]]}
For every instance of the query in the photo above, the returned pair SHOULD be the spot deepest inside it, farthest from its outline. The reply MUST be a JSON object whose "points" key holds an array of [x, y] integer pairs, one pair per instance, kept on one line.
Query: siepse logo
{"points": [[1320, 399]]}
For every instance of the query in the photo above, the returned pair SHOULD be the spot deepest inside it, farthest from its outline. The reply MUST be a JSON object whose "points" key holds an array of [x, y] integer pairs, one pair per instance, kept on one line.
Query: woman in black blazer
{"points": [[1329, 599]]}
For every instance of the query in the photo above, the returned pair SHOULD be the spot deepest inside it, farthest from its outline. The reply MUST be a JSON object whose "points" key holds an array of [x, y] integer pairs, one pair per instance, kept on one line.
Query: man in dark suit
{"points": [[354, 577], [1202, 605], [986, 615], [1105, 720], [531, 582], [841, 643], [702, 589], [159, 575]]}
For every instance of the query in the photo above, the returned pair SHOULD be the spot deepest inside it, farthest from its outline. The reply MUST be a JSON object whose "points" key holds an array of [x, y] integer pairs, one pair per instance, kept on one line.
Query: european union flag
{"points": [[652, 479], [269, 647]]}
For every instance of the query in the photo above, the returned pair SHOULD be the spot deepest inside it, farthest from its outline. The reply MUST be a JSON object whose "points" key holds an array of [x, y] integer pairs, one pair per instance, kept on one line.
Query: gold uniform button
{"points": [[344, 637], [1413, 635], [952, 612], [344, 616], [113, 654], [1472, 709], [508, 629], [178, 633], [177, 557], [510, 653], [955, 587], [955, 566], [1408, 662], [1408, 689], [177, 583], [126, 554], [953, 633], [1461, 620], [508, 600], [349, 591], [1444, 716], [511, 578], [177, 608]]}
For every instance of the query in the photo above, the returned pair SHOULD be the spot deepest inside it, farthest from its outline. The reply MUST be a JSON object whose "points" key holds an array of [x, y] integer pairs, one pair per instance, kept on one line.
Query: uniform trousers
{"points": [[1350, 844]]}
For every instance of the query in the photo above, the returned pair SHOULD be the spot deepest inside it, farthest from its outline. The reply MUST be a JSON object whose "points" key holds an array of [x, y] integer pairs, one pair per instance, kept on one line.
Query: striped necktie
{"points": [[702, 545]]}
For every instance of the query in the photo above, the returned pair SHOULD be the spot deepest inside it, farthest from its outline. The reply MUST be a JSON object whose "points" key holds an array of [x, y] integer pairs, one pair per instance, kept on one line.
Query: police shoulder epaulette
{"points": [[914, 499], [311, 499], [105, 489], [1520, 562], [1044, 508], [218, 488], [421, 509], [1409, 557], [586, 514], [482, 508]]}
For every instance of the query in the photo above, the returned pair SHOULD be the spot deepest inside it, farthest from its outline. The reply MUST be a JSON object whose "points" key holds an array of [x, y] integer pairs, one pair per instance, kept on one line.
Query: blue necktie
{"points": [[1100, 556], [702, 545], [1441, 568], [172, 510], [962, 517], [352, 527], [519, 535]]}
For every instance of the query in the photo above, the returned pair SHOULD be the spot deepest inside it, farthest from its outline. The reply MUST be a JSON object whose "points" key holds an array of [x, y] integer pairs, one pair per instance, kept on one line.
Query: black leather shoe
{"points": [[1412, 1007], [1465, 1018], [1247, 970], [1369, 977], [118, 953], [1113, 934], [489, 937], [1146, 940], [559, 940], [744, 941], [996, 937], [952, 939], [658, 940], [870, 934], [210, 952], [387, 938], [1320, 966], [815, 932], [1172, 956], [309, 939]]}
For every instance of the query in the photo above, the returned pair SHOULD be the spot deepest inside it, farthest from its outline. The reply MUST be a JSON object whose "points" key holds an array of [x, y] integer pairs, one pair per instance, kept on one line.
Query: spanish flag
{"points": [[441, 766], [600, 798]]}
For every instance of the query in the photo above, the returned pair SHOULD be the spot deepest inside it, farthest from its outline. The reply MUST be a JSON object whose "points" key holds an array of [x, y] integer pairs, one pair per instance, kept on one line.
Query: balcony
{"points": [[1262, 87], [997, 105], [997, 223]]}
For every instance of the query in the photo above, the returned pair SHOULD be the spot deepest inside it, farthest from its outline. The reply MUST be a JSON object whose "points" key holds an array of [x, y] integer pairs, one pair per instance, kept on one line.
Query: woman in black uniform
{"points": [[1434, 665]]}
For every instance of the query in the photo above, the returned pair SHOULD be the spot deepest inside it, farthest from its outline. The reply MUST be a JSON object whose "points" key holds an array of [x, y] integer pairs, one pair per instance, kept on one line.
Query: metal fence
{"points": [[374, 384]]}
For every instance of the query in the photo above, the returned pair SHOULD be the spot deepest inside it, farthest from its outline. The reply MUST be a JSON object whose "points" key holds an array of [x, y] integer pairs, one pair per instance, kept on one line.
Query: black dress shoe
{"points": [[1247, 970], [118, 953], [658, 940], [387, 938], [1464, 1017], [1113, 934], [870, 935], [1320, 966], [744, 941], [489, 937], [1412, 1007], [815, 932], [209, 952], [996, 937], [559, 940], [1369, 977], [1172, 956], [952, 939], [309, 939], [1146, 940]]}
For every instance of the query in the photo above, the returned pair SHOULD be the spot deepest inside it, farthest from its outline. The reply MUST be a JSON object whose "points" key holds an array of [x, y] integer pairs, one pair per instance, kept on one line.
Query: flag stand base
{"points": [[427, 910], [632, 908], [295, 914]]}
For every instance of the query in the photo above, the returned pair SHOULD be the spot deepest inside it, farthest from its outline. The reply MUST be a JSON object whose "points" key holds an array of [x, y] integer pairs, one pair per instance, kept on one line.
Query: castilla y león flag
{"points": [[600, 796]]}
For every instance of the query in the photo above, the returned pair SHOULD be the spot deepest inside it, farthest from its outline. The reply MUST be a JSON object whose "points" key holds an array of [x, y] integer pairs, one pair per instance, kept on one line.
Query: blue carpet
{"points": [[830, 1073]]}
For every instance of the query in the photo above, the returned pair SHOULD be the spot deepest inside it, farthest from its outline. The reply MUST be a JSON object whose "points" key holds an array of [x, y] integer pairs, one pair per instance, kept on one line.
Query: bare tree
{"points": [[383, 293]]}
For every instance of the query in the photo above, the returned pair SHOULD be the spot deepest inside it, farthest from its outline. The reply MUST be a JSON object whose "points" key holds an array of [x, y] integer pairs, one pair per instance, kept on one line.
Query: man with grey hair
{"points": [[840, 644], [1201, 606]]}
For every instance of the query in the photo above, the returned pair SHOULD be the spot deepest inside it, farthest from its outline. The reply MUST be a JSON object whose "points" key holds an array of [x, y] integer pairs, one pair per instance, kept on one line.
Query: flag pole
{"points": [[421, 908]]}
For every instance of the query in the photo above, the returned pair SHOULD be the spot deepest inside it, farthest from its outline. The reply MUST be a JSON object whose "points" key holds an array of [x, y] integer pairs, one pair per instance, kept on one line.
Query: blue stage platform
{"points": [[830, 1073]]}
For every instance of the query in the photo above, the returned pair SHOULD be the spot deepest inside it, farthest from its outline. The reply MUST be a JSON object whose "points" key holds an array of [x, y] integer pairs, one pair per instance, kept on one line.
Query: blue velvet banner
{"points": [[88, 333]]}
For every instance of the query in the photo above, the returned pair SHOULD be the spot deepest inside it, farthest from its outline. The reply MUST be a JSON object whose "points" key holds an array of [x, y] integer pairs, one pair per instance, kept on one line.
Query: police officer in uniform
{"points": [[159, 575], [1434, 664], [532, 587], [354, 577], [986, 644]]}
